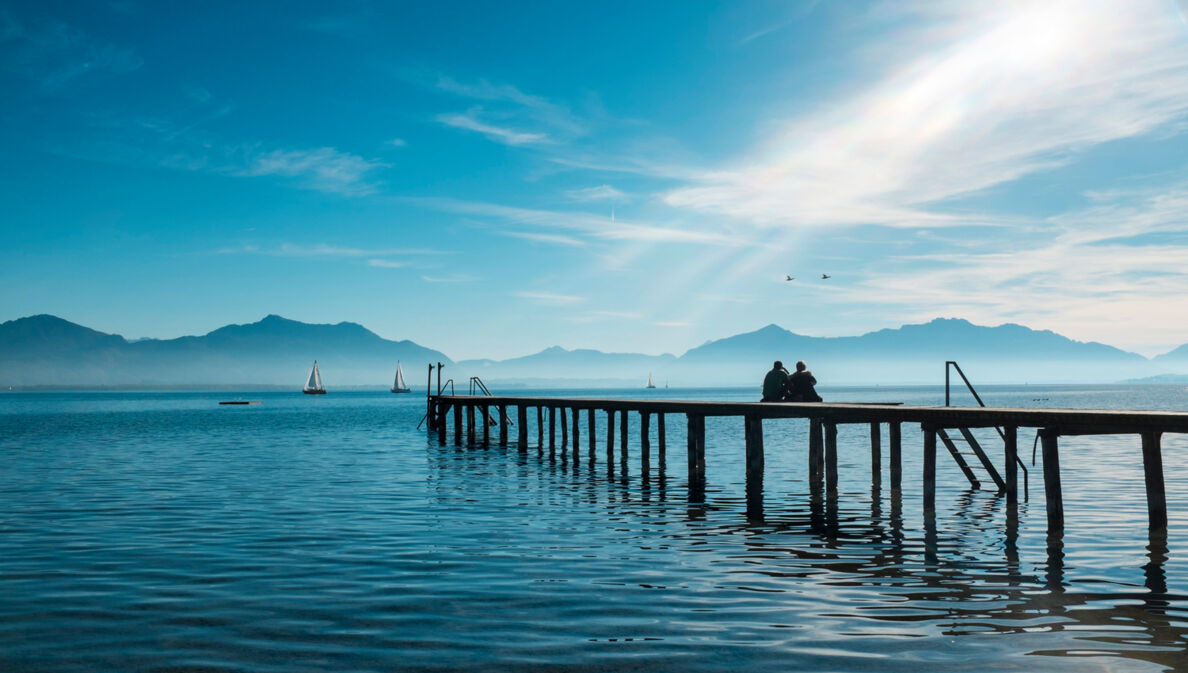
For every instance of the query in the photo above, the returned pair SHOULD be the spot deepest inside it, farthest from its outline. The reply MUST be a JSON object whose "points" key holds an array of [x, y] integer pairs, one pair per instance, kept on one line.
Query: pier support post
{"points": [[1153, 471], [753, 430], [623, 414], [754, 438], [660, 443], [895, 454], [1052, 491], [552, 431], [876, 454], [577, 443], [929, 470], [645, 444], [503, 419], [830, 457], [522, 419], [470, 424], [590, 441], [539, 429], [457, 424], [696, 449], [610, 437], [1011, 468], [564, 430], [486, 411], [816, 452], [442, 410]]}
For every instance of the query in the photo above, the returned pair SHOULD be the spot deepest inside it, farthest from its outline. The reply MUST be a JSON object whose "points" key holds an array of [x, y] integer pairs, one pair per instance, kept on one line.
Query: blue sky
{"points": [[494, 178]]}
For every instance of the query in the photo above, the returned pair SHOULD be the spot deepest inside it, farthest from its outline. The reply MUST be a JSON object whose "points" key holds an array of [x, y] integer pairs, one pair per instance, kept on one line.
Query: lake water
{"points": [[162, 532]]}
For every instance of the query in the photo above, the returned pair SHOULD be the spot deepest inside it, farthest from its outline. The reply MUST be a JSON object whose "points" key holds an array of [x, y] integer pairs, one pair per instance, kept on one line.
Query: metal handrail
{"points": [[978, 397]]}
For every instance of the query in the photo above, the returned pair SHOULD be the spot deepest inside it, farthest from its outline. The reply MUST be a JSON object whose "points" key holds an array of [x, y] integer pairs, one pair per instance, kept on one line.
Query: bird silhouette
{"points": [[787, 277], [825, 276]]}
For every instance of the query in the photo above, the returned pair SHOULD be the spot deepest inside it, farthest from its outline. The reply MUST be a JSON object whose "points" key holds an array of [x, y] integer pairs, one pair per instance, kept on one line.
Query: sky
{"points": [[491, 179]]}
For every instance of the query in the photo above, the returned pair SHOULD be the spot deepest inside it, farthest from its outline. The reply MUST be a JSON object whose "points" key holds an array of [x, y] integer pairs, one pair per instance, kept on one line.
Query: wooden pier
{"points": [[935, 422]]}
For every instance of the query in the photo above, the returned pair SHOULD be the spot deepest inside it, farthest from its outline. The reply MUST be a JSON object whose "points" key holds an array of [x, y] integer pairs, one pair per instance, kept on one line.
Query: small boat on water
{"points": [[314, 385], [241, 402], [398, 384], [650, 383]]}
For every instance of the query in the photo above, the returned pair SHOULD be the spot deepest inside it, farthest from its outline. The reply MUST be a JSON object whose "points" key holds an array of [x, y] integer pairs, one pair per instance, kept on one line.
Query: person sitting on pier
{"points": [[775, 382], [799, 387]]}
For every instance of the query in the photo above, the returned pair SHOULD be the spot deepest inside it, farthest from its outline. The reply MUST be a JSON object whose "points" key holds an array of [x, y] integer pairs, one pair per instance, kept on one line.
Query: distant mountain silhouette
{"points": [[911, 354], [45, 350], [1176, 358], [581, 364]]}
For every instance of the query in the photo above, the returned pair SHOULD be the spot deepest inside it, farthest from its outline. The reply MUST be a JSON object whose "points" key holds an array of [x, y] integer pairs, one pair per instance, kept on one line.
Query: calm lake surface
{"points": [[162, 532]]}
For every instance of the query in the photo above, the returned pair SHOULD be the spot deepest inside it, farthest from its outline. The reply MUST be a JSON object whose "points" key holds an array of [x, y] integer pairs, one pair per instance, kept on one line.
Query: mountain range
{"points": [[45, 350]]}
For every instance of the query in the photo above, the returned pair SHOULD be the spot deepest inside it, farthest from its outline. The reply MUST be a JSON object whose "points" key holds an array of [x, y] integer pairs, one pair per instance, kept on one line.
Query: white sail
{"points": [[650, 383], [315, 378], [398, 383]]}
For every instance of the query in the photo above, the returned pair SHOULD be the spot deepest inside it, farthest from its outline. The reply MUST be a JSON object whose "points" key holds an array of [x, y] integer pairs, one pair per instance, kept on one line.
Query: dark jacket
{"points": [[800, 388]]}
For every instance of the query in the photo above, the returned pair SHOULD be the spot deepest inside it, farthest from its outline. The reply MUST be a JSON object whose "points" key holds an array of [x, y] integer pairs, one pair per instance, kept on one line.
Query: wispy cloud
{"points": [[510, 116], [550, 298], [593, 226], [995, 92], [324, 250], [325, 169], [603, 316], [599, 193], [546, 238], [453, 278], [386, 263], [471, 122]]}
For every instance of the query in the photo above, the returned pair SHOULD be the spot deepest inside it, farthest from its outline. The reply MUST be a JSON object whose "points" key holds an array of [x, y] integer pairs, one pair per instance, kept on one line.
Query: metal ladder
{"points": [[476, 384], [968, 437]]}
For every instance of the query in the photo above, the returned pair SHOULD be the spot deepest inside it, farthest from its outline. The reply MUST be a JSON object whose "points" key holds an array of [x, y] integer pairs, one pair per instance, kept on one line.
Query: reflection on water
{"points": [[161, 532]]}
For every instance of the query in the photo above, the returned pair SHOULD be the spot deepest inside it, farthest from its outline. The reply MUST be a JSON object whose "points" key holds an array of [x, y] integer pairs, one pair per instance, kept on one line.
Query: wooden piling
{"points": [[470, 424], [486, 425], [442, 410], [1153, 472], [876, 454], [645, 448], [564, 430], [552, 431], [577, 444], [457, 424], [592, 444], [929, 469], [696, 448], [1011, 466], [610, 436], [503, 419], [753, 432], [1052, 489], [830, 457], [816, 452], [539, 428], [522, 419], [623, 436], [895, 454], [660, 442]]}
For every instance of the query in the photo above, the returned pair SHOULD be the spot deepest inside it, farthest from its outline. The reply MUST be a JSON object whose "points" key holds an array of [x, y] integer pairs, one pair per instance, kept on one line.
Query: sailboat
{"points": [[398, 384], [314, 385], [650, 384]]}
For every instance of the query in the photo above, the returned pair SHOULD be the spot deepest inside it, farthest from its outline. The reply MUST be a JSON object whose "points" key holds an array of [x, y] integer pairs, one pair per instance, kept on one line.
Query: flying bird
{"points": [[825, 276], [787, 277]]}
